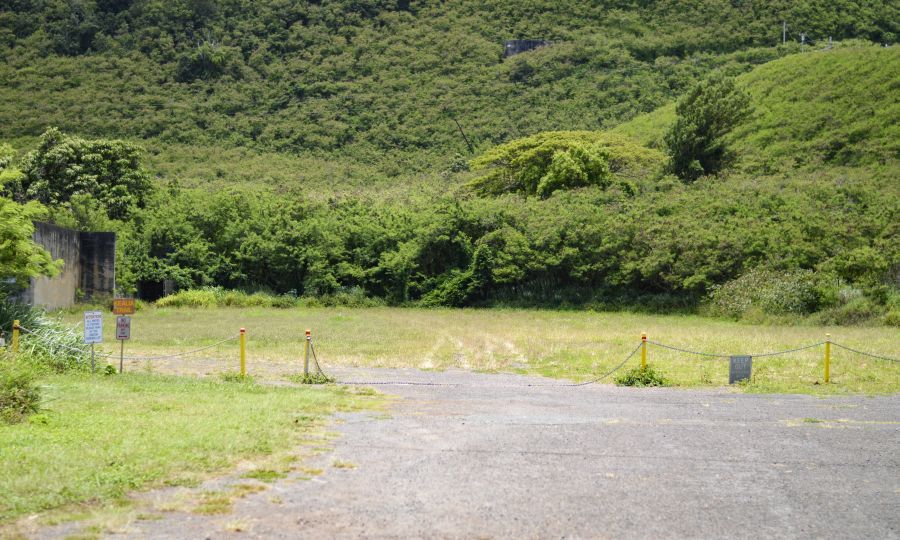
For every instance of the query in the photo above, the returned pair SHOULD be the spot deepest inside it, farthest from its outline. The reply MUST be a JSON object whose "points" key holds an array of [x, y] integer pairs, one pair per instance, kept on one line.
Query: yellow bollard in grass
{"points": [[306, 352], [15, 336], [243, 342], [643, 350], [827, 358]]}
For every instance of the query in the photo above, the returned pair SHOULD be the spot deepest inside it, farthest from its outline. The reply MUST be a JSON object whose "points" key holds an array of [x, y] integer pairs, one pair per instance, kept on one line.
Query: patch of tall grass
{"points": [[45, 342]]}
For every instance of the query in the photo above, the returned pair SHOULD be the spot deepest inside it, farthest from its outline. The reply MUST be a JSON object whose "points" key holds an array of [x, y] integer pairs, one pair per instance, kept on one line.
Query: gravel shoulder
{"points": [[483, 456]]}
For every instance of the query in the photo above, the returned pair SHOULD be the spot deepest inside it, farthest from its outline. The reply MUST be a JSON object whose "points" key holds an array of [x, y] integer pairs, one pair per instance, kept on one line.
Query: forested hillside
{"points": [[388, 150], [382, 81]]}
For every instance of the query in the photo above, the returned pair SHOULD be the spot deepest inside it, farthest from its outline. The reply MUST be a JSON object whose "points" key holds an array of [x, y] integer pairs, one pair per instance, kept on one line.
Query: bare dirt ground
{"points": [[481, 456]]}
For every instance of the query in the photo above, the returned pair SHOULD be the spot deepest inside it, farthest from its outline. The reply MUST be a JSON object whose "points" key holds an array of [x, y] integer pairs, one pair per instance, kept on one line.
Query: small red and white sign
{"points": [[123, 327]]}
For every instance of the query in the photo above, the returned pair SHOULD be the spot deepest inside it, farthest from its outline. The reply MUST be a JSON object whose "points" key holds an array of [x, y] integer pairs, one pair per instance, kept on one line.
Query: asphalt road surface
{"points": [[485, 457]]}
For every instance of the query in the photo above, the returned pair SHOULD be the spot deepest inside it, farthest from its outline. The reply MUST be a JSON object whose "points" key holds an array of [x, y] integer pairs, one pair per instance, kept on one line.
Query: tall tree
{"points": [[706, 114]]}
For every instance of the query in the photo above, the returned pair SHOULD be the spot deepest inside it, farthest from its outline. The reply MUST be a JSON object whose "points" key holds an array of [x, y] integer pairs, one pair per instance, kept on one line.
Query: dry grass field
{"points": [[568, 344]]}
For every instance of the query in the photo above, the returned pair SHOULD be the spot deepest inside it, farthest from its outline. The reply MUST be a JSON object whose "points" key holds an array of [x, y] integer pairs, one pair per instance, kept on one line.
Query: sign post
{"points": [[93, 331], [739, 368], [123, 332], [123, 306]]}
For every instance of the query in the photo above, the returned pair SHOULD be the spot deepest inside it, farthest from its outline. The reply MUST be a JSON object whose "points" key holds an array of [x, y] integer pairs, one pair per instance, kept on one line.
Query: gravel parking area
{"points": [[482, 456]]}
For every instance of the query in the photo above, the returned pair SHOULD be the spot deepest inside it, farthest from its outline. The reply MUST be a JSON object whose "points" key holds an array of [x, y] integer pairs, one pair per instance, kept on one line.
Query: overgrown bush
{"points": [[706, 114], [642, 377], [773, 292], [312, 378], [19, 392], [856, 311]]}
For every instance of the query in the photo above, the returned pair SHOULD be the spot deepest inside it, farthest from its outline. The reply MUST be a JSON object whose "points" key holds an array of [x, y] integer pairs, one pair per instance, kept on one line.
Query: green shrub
{"points": [[312, 378], [892, 318], [859, 310], [546, 162], [706, 114], [19, 394], [774, 292], [642, 377]]}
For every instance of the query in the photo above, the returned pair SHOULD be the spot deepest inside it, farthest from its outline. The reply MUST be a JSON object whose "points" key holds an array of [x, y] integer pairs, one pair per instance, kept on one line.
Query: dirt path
{"points": [[487, 458]]}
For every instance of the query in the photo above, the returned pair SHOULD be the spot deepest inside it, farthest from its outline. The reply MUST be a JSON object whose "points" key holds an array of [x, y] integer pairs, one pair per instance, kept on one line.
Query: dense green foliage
{"points": [[706, 114], [332, 142], [20, 257], [544, 163], [381, 81], [63, 167]]}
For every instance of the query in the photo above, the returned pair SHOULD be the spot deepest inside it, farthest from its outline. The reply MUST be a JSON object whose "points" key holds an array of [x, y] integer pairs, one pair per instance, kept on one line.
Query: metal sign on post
{"points": [[93, 331], [123, 327], [123, 332], [123, 306], [739, 368], [93, 326]]}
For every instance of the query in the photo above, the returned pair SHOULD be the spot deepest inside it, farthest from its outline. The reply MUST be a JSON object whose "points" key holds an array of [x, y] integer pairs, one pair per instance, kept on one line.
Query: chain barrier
{"points": [[687, 351], [713, 355], [521, 385], [865, 353], [312, 349], [113, 355], [184, 353]]}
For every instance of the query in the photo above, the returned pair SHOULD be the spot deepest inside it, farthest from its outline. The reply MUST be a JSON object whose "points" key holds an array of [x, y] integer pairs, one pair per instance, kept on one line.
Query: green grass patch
{"points": [[102, 437], [20, 395], [265, 475]]}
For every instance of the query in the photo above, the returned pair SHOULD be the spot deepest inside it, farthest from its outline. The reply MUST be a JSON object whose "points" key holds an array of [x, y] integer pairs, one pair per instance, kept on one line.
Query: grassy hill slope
{"points": [[377, 84], [834, 108], [341, 118]]}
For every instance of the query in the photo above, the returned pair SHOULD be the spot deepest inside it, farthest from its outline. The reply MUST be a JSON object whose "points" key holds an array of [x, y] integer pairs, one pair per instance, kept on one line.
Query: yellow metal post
{"points": [[644, 350], [306, 352], [827, 358], [243, 352], [15, 336]]}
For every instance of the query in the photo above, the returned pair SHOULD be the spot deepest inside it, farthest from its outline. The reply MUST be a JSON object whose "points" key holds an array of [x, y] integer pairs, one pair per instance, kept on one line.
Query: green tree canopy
{"points": [[20, 257], [706, 114], [550, 161], [64, 166]]}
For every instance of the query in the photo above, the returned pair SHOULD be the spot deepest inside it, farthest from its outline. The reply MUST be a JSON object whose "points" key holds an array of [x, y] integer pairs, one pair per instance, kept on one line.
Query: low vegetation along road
{"points": [[486, 456]]}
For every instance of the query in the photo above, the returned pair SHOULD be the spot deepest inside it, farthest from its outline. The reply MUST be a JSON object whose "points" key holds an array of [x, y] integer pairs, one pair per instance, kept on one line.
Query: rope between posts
{"points": [[523, 385], [113, 355], [713, 355], [865, 353], [184, 353]]}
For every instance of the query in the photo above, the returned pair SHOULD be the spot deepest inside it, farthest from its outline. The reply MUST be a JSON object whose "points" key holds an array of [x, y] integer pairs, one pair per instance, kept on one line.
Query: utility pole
{"points": [[783, 32]]}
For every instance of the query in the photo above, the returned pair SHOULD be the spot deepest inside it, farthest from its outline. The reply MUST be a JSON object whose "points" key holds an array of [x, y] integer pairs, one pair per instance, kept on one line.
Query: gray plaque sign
{"points": [[739, 368]]}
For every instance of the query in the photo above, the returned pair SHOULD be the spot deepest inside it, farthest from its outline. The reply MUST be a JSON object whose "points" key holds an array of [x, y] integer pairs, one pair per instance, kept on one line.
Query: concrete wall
{"points": [[98, 263], [89, 260]]}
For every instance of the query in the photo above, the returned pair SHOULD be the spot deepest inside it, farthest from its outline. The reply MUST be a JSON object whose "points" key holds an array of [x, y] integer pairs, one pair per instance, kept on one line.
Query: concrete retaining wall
{"points": [[89, 260]]}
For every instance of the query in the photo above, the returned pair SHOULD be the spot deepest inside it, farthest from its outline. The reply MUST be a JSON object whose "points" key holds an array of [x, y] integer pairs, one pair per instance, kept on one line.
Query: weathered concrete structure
{"points": [[513, 47], [89, 266]]}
